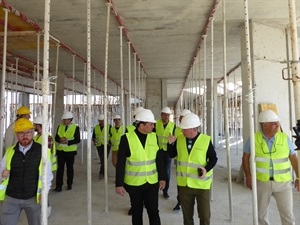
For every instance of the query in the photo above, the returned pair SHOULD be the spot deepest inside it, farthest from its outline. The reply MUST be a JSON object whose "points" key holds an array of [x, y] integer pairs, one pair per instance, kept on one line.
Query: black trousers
{"points": [[63, 158], [167, 162], [146, 194], [100, 150]]}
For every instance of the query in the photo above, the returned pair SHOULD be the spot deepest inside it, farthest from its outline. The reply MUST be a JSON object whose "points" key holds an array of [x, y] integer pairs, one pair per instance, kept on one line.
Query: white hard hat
{"points": [[190, 120], [101, 117], [137, 110], [185, 112], [166, 110], [145, 116], [38, 120], [268, 116], [67, 115], [117, 117]]}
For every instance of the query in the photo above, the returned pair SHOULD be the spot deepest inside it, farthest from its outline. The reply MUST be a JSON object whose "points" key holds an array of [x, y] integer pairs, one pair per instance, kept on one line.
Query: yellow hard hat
{"points": [[23, 110], [22, 124]]}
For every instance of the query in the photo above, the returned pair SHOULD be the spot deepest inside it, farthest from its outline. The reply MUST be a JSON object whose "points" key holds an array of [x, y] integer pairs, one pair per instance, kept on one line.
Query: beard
{"points": [[25, 142]]}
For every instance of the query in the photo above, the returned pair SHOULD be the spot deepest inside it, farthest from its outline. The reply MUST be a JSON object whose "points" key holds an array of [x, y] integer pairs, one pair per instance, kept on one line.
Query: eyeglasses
{"points": [[273, 150], [27, 133]]}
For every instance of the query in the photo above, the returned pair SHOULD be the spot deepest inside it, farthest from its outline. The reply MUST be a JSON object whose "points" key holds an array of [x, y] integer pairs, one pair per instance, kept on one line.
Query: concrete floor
{"points": [[70, 207]]}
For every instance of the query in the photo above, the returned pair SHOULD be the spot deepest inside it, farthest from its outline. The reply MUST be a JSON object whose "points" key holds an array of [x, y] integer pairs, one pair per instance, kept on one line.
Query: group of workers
{"points": [[141, 154]]}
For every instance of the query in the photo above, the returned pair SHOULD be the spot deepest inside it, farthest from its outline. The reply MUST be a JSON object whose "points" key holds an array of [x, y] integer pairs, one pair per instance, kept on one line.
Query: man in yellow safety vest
{"points": [[140, 169], [21, 174], [274, 155], [67, 138], [196, 158]]}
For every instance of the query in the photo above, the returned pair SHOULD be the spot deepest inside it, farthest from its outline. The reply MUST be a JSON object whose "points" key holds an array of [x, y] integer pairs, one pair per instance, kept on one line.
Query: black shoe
{"points": [[130, 211], [57, 189], [101, 176], [69, 187], [166, 195], [177, 207]]}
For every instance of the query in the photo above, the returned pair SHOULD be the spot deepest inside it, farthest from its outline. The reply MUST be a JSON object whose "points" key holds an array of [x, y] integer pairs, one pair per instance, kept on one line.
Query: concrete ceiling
{"points": [[165, 35]]}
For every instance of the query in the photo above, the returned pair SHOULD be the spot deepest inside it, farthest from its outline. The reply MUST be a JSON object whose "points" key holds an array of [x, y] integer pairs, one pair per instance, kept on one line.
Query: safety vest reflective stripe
{"points": [[140, 163], [181, 174], [193, 165], [259, 159], [141, 174]]}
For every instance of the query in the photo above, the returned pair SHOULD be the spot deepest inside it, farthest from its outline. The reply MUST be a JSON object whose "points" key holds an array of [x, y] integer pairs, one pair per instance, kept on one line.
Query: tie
{"points": [[66, 128]]}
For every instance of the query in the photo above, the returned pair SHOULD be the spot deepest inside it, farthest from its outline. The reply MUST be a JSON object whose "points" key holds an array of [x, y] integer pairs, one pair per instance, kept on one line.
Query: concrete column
{"points": [[59, 102], [268, 50], [154, 96]]}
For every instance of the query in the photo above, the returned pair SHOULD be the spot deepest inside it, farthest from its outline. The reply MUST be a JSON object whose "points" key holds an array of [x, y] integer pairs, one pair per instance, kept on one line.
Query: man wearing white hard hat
{"points": [[131, 127], [67, 137], [140, 169], [196, 158], [163, 128], [178, 132], [274, 157], [116, 133], [98, 139]]}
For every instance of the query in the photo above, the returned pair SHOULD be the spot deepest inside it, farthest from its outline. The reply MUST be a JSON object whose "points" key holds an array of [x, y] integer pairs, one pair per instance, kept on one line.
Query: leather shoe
{"points": [[130, 211], [166, 195], [57, 189], [177, 207], [69, 187]]}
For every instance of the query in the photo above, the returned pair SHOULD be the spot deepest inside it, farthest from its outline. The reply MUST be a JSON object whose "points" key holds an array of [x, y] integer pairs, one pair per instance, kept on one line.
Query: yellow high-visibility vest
{"points": [[115, 139], [188, 164], [3, 186], [163, 133], [141, 165], [69, 134], [39, 139], [279, 155]]}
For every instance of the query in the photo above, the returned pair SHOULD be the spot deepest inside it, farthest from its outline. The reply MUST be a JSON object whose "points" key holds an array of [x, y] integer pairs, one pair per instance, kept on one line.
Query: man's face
{"points": [[189, 133], [117, 122], [146, 128], [37, 127], [25, 137], [101, 123], [66, 122], [26, 116], [270, 128], [165, 117]]}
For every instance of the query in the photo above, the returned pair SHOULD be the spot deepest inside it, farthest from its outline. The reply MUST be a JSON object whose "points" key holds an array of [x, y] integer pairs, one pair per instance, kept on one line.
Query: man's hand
{"points": [[162, 184], [120, 191], [5, 174], [63, 140], [171, 139], [201, 172], [297, 184], [249, 182]]}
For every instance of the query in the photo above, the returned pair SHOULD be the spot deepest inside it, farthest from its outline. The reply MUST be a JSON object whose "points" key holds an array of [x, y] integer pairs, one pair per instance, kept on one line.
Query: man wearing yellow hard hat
{"points": [[21, 172], [10, 137]]}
